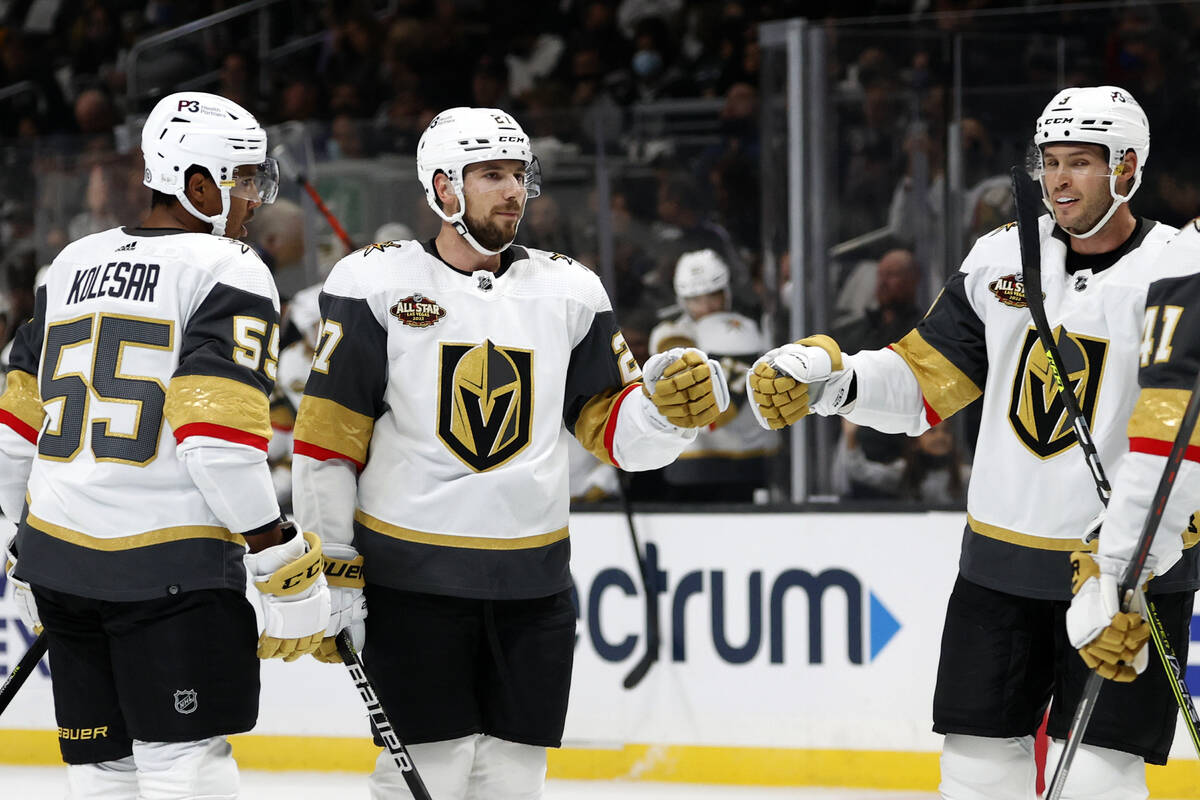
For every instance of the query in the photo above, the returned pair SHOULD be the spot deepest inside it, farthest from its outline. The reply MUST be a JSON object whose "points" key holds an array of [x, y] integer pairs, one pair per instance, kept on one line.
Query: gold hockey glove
{"points": [[1110, 641], [687, 388], [292, 601], [348, 607], [790, 382]]}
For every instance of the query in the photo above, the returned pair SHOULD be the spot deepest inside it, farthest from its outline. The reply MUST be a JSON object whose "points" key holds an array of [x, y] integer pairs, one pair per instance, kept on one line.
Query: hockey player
{"points": [[431, 452], [1005, 650], [701, 288], [728, 460], [136, 419]]}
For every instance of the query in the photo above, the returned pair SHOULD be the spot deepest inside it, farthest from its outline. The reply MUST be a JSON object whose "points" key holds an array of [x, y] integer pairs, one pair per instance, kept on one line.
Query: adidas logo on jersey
{"points": [[125, 247]]}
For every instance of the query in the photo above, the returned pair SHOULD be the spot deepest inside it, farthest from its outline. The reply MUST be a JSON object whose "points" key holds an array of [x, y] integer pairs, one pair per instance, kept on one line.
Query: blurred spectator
{"points": [[728, 461], [546, 228], [277, 233], [894, 311], [934, 469], [97, 214], [653, 72], [94, 114], [300, 99], [489, 83], [346, 138], [237, 81]]}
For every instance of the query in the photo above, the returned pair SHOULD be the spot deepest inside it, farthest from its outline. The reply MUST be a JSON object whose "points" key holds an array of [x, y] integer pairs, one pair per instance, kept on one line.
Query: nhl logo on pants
{"points": [[185, 701]]}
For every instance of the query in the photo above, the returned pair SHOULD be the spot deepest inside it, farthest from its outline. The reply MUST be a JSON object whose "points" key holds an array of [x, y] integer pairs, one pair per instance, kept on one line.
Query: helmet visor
{"points": [[258, 183], [533, 179]]}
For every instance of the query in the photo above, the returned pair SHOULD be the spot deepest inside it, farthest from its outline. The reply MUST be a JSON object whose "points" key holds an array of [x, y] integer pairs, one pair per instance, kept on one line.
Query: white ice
{"points": [[49, 783]]}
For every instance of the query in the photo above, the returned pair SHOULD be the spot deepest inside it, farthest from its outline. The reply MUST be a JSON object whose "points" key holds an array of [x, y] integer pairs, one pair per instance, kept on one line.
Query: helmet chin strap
{"points": [[217, 221], [459, 222]]}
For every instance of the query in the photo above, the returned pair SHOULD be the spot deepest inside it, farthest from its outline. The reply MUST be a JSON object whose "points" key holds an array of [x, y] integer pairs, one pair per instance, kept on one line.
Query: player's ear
{"points": [[445, 192], [201, 190]]}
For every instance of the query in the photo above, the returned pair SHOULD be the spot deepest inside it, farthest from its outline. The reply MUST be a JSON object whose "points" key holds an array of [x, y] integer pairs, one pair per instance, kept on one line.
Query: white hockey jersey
{"points": [[432, 432], [136, 408], [1031, 493]]}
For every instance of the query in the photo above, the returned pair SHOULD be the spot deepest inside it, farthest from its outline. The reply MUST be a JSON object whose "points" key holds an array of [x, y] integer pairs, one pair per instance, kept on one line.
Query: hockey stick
{"points": [[379, 720], [1129, 582], [291, 168], [649, 590], [1026, 197], [23, 669]]}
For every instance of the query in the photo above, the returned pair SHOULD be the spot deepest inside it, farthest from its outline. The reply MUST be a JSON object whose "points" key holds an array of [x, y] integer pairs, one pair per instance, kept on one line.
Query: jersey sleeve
{"points": [[342, 399], [604, 406], [217, 401], [21, 411], [1170, 359]]}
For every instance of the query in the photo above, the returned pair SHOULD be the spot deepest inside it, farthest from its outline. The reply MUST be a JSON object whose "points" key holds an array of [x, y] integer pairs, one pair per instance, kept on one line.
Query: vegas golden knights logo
{"points": [[1037, 412], [485, 402]]}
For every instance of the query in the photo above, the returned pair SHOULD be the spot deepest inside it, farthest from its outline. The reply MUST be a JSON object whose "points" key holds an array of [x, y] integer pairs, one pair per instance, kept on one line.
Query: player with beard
{"points": [[1012, 622], [431, 457]]}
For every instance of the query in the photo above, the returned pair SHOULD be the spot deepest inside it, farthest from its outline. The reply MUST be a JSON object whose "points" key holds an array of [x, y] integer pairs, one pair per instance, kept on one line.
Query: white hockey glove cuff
{"points": [[1110, 641], [22, 594], [348, 606], [688, 389], [792, 381], [290, 595]]}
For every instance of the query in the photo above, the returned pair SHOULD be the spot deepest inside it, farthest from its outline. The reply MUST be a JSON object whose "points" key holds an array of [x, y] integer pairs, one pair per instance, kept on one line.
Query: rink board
{"points": [[797, 649]]}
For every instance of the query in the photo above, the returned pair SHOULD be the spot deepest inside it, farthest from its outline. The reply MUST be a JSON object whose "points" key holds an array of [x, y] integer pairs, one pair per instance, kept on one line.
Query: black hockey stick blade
{"points": [[21, 672], [1091, 690], [379, 720]]}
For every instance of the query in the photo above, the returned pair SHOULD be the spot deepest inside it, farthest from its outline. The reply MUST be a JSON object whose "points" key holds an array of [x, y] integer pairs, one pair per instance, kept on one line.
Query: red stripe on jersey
{"points": [[321, 454], [26, 432], [1157, 447], [220, 432], [610, 429], [931, 416]]}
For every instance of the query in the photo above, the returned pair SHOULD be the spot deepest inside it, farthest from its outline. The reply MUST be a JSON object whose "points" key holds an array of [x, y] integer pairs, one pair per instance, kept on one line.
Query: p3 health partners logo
{"points": [[772, 598]]}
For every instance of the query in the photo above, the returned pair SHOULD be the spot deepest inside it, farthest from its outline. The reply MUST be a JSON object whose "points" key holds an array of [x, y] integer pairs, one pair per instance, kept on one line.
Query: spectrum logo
{"points": [[869, 625]]}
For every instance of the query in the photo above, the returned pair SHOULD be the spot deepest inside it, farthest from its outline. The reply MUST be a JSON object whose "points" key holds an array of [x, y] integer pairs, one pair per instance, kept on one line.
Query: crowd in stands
{"points": [[373, 73]]}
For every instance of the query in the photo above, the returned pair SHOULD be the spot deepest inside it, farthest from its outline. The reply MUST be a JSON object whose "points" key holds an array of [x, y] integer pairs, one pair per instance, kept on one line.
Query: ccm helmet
{"points": [[461, 136], [199, 129], [1103, 115]]}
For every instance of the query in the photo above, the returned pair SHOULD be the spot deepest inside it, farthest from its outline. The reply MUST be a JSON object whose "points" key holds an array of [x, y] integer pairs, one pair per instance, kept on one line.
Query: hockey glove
{"points": [[348, 607], [687, 387], [1109, 641], [22, 594], [792, 381], [292, 597]]}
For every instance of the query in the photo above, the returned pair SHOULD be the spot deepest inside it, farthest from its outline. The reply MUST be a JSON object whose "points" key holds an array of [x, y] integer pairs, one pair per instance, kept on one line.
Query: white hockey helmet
{"points": [[200, 129], [1103, 115], [304, 312], [728, 333], [698, 273], [461, 136]]}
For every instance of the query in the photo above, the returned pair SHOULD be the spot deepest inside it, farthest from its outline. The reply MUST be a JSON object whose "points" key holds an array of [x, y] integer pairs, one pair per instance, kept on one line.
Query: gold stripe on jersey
{"points": [[592, 424], [22, 399], [331, 426], [1028, 540], [160, 536], [946, 388], [1158, 413], [220, 401], [450, 540]]}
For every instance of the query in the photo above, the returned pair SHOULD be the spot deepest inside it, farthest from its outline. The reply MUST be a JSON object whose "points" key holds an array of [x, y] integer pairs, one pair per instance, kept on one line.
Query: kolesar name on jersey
{"points": [[115, 279]]}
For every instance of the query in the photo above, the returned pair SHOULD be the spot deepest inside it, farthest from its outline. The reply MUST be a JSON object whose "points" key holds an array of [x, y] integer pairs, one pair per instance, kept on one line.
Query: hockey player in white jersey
{"points": [[133, 438], [701, 283], [1005, 647], [431, 456]]}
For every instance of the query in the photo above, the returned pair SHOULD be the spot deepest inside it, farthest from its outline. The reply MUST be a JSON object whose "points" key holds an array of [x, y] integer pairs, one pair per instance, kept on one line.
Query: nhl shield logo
{"points": [[1036, 411], [185, 701], [485, 402]]}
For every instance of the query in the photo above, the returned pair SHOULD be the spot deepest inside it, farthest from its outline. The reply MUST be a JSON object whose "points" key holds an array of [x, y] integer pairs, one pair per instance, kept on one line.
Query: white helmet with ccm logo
{"points": [[461, 136], [1103, 115], [200, 129]]}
